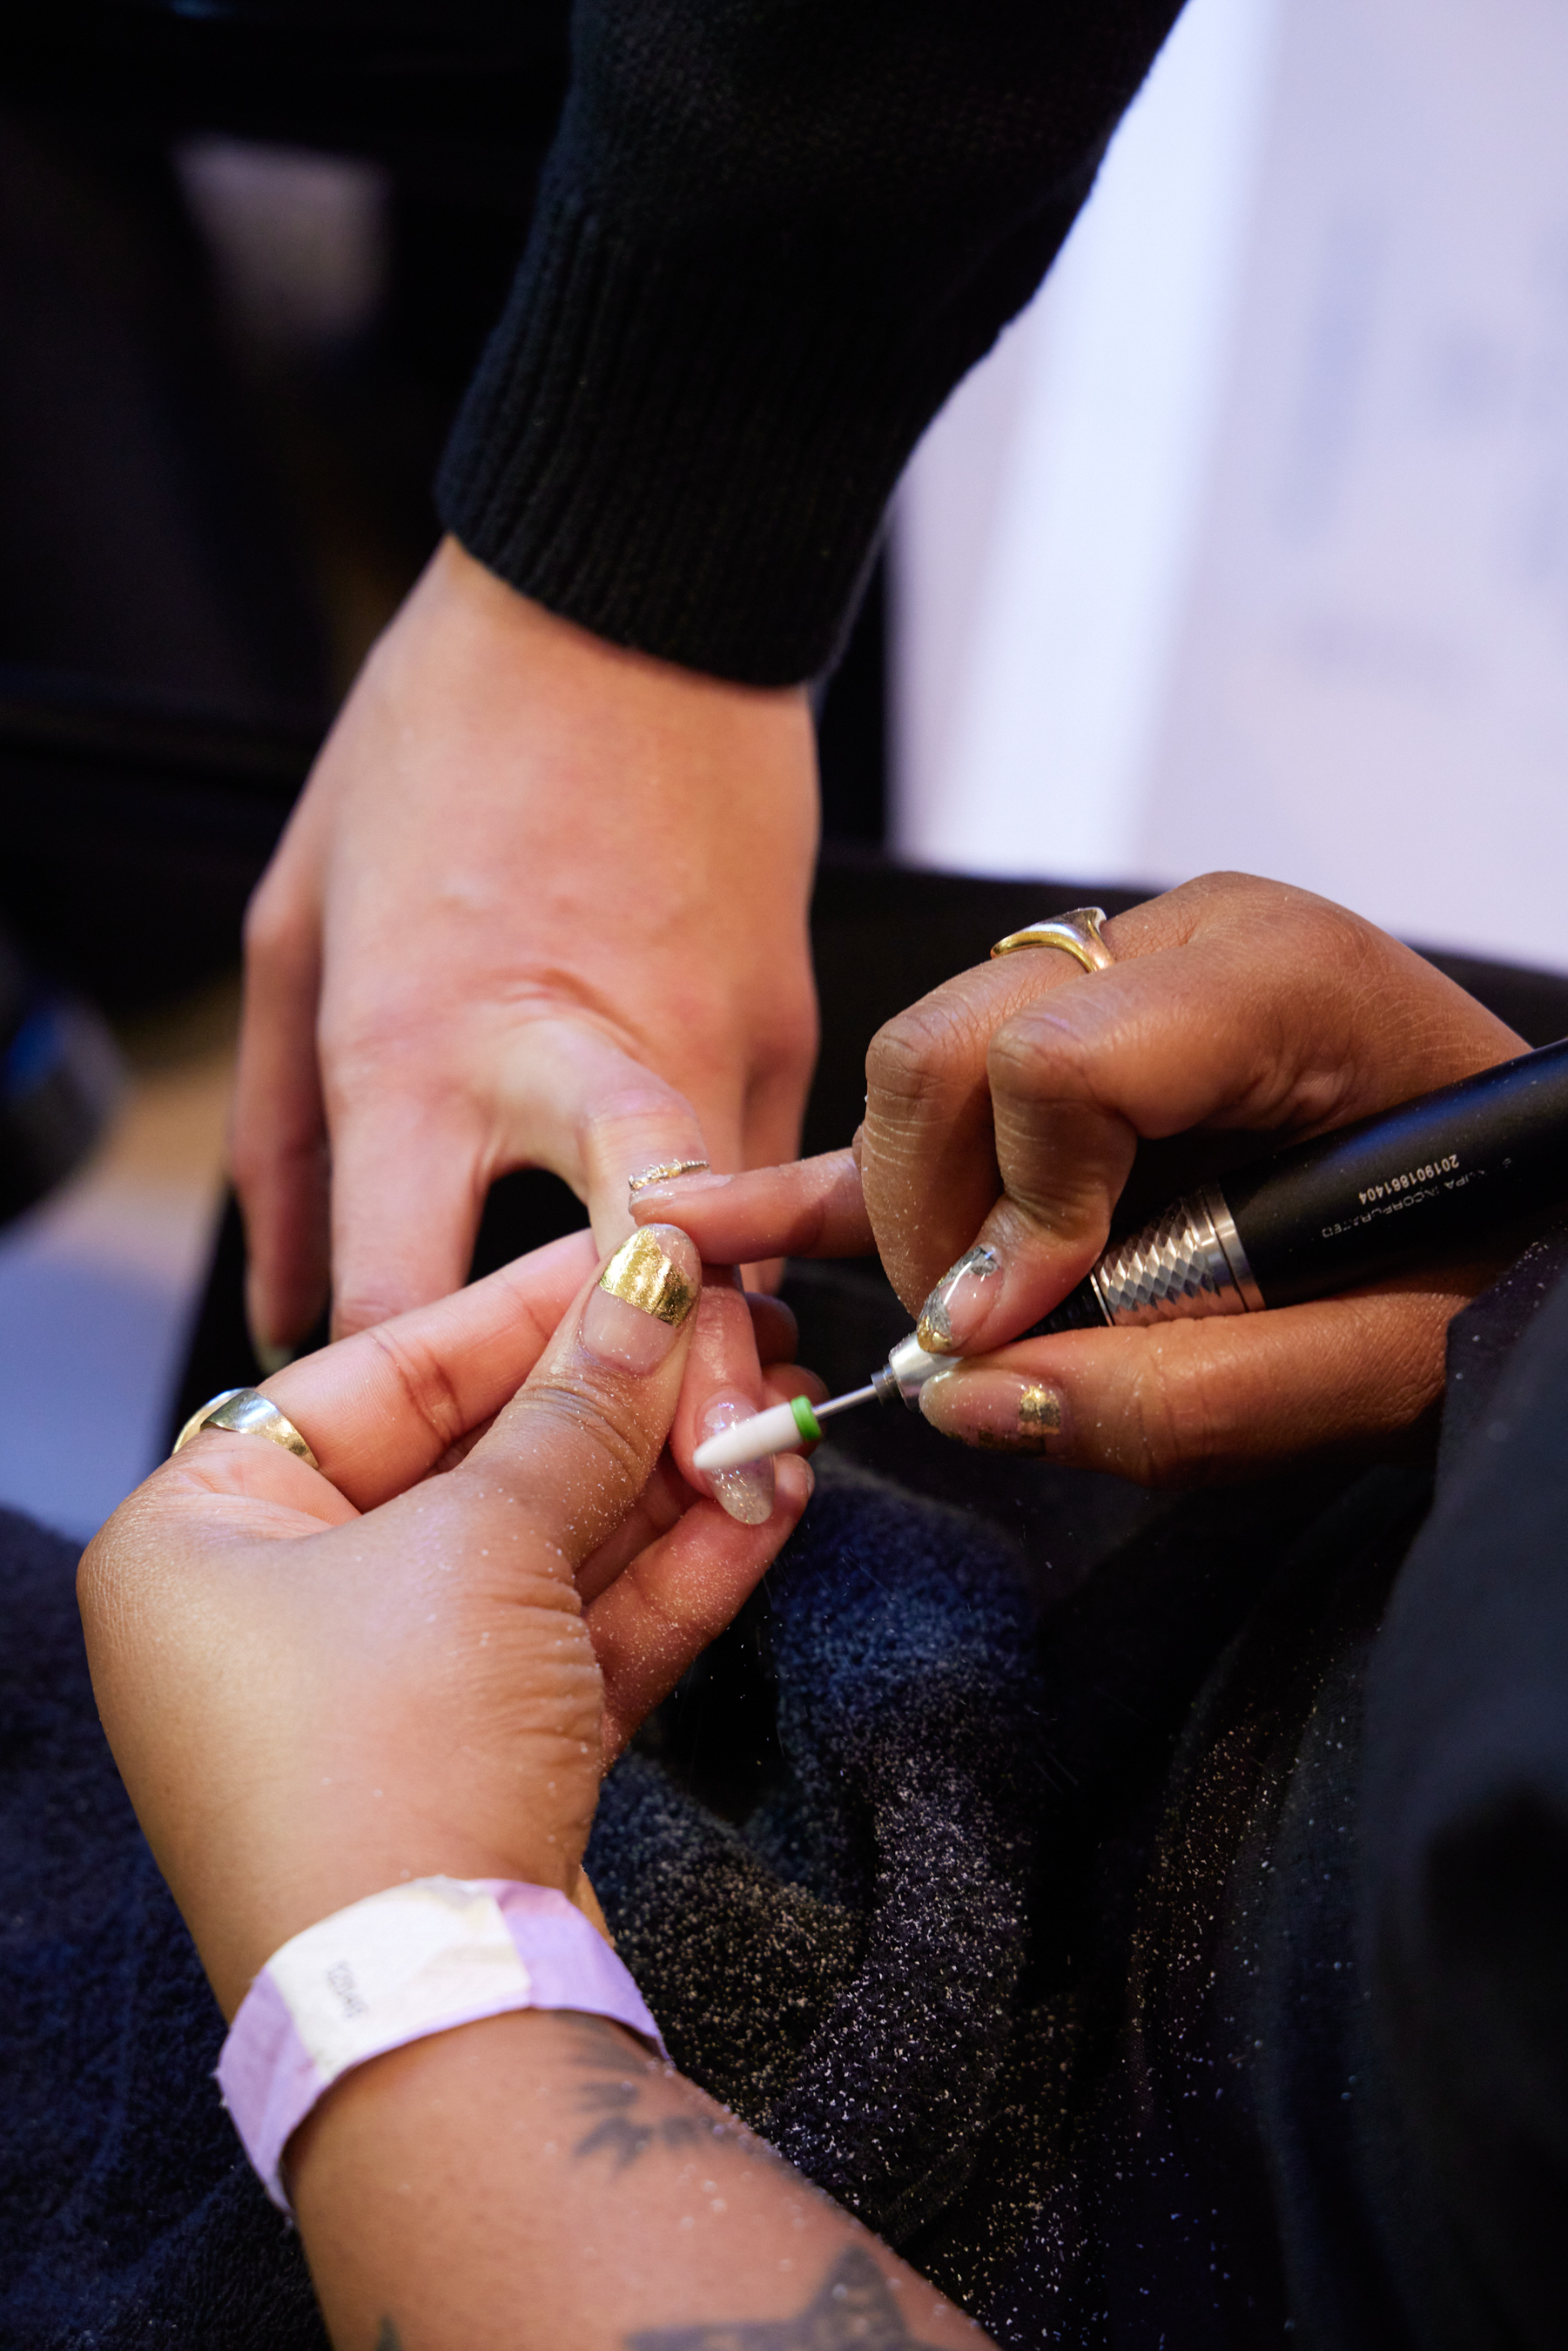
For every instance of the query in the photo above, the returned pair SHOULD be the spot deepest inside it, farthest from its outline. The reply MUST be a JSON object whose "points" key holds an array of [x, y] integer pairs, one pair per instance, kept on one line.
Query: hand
{"points": [[418, 1659], [543, 903], [1005, 1109], [414, 1662]]}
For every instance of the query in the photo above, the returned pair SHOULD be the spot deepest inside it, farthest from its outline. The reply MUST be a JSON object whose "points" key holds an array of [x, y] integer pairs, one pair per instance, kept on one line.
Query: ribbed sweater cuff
{"points": [[690, 453]]}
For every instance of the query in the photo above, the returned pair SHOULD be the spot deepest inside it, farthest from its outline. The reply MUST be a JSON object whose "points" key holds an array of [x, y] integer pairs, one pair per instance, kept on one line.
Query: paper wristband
{"points": [[416, 1959]]}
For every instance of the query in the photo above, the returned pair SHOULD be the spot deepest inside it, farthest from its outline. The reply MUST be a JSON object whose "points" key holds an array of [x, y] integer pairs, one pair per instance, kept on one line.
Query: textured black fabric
{"points": [[770, 238], [1466, 1928], [876, 1908], [1104, 1857], [127, 2215]]}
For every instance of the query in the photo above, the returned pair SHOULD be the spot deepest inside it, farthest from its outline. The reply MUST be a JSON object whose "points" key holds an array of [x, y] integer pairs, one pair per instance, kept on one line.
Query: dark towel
{"points": [[845, 1973], [127, 2215]]}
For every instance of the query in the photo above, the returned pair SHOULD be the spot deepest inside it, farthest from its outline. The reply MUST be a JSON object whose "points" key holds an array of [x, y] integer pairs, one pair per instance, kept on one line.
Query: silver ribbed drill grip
{"points": [[1189, 1261]]}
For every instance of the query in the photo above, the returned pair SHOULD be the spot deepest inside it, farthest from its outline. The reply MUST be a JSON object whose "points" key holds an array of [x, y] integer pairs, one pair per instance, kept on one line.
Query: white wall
{"points": [[1249, 544]]}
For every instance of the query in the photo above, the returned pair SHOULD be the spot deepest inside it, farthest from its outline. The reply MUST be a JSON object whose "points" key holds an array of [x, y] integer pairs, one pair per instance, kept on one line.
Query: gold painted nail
{"points": [[997, 1411], [1040, 1410], [643, 1276], [1038, 1416]]}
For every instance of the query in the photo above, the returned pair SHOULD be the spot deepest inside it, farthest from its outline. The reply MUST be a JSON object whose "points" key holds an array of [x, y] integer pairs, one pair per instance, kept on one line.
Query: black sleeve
{"points": [[1466, 1851], [771, 236]]}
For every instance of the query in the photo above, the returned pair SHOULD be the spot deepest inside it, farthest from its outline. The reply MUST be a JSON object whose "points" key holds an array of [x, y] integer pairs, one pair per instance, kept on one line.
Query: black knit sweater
{"points": [[772, 234]]}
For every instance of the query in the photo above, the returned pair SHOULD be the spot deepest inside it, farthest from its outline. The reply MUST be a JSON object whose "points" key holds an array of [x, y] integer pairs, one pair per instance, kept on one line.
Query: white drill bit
{"points": [[779, 1429]]}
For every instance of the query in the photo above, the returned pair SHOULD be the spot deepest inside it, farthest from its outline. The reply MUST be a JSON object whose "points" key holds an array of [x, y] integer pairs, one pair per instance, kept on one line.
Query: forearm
{"points": [[540, 2179], [769, 242]]}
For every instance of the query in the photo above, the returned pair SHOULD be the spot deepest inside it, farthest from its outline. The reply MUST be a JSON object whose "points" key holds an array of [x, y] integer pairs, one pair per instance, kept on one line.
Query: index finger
{"points": [[380, 1409], [813, 1207]]}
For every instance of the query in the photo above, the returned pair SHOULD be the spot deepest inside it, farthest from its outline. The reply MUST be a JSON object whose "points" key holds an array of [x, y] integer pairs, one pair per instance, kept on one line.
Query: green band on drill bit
{"points": [[805, 1421]]}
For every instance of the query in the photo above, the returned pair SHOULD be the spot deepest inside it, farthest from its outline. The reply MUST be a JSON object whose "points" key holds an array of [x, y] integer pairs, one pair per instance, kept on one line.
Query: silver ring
{"points": [[1077, 934], [248, 1413]]}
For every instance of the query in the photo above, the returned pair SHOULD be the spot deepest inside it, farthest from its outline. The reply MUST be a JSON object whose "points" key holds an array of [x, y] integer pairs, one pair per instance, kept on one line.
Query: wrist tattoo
{"points": [[613, 2100], [853, 2309], [387, 2337]]}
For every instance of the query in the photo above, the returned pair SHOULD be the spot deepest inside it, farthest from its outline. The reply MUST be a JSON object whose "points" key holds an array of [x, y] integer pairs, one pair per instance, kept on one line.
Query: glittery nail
{"points": [[950, 1310], [747, 1493]]}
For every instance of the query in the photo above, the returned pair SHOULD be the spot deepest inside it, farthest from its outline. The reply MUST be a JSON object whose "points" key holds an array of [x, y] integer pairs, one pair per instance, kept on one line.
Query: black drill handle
{"points": [[1394, 1190]]}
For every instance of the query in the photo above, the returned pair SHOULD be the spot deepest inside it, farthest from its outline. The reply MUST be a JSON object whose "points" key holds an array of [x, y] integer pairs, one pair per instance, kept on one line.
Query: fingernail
{"points": [[999, 1411], [748, 1492], [954, 1307], [645, 1293], [662, 1193], [271, 1357]]}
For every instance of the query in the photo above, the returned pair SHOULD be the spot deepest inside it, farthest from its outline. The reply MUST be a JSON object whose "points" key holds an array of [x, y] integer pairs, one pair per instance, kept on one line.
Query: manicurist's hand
{"points": [[413, 1662], [1004, 1112], [543, 903]]}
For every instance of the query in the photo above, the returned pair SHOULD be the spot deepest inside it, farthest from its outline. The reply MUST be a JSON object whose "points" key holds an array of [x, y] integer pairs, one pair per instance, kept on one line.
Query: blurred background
{"points": [[1247, 547]]}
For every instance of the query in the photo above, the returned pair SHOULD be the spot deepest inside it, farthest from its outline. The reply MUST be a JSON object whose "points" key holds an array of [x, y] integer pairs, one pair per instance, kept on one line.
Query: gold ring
{"points": [[249, 1414], [665, 1173], [1077, 934]]}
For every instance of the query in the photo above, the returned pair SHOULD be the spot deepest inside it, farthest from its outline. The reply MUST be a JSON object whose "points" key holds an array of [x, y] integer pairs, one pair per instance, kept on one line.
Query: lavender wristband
{"points": [[416, 1959]]}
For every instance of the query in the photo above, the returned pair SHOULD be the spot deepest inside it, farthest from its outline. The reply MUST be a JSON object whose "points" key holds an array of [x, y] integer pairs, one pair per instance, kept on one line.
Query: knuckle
{"points": [[637, 1098], [574, 1410], [914, 1054], [420, 1373], [258, 1156], [356, 1309], [1174, 1427], [276, 930], [390, 1022], [1227, 883], [123, 1556], [1036, 1049]]}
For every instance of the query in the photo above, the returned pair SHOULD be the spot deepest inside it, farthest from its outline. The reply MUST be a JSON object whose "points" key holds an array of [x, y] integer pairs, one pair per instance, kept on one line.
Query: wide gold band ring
{"points": [[249, 1414], [1077, 934]]}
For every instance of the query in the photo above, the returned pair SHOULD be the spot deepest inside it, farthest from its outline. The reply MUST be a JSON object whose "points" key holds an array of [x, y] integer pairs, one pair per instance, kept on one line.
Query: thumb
{"points": [[579, 1440]]}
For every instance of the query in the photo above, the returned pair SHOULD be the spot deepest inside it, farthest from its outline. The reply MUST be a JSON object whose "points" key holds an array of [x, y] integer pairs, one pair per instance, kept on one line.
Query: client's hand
{"points": [[1005, 1109], [418, 1659], [543, 903], [414, 1663]]}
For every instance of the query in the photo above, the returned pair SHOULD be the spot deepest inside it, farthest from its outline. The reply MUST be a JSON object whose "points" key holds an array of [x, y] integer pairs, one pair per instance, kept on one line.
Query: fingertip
{"points": [[270, 1354], [795, 1483], [774, 1327]]}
